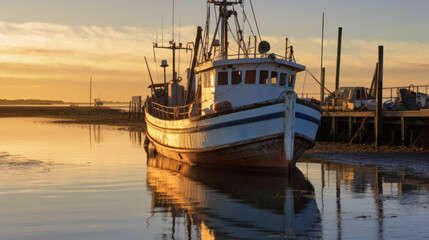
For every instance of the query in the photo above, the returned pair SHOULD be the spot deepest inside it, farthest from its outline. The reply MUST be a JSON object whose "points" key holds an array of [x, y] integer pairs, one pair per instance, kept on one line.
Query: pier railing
{"points": [[418, 89], [389, 93], [168, 113]]}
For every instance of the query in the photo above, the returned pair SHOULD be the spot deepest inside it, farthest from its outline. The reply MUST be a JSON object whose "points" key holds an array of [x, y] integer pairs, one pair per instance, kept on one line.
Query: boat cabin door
{"points": [[208, 79]]}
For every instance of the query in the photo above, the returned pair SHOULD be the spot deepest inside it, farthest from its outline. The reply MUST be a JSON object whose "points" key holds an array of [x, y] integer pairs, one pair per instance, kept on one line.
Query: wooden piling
{"points": [[129, 110], [337, 75], [378, 120], [322, 86], [404, 138], [350, 129]]}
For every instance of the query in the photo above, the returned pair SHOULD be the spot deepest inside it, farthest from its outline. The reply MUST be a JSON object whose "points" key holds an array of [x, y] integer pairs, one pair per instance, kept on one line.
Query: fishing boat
{"points": [[238, 110]]}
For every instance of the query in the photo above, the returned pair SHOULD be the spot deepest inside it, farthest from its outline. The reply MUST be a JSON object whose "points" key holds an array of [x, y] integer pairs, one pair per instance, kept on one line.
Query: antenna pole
{"points": [[150, 76], [322, 71], [172, 24], [194, 63], [180, 28], [256, 43], [162, 33], [286, 48], [224, 29], [174, 61]]}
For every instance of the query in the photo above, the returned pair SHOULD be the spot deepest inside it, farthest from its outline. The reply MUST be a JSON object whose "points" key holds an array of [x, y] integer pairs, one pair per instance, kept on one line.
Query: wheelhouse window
{"points": [[263, 77], [236, 77], [273, 78], [291, 80], [250, 77], [283, 79], [222, 78]]}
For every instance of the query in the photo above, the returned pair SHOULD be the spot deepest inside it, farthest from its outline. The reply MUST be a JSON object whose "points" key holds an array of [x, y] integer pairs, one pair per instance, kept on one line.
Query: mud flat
{"points": [[413, 161], [76, 115], [330, 147]]}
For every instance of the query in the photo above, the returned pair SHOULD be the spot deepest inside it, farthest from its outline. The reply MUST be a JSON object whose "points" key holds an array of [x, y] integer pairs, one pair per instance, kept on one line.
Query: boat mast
{"points": [[173, 46], [223, 13]]}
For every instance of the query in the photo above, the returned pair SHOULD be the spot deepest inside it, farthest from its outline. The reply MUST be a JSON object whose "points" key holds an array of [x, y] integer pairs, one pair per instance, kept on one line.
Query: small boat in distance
{"points": [[239, 110], [98, 102]]}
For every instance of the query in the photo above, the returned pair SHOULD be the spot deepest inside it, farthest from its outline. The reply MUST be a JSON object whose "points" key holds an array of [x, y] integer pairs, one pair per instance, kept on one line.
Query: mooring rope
{"points": [[355, 136], [319, 83]]}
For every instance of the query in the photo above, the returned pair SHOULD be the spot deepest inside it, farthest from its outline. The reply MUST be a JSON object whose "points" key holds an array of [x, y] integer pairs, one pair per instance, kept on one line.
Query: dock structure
{"points": [[375, 127], [135, 107], [399, 127]]}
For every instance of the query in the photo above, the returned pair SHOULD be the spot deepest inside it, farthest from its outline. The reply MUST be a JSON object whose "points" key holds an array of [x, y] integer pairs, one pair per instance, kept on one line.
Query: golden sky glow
{"points": [[54, 61]]}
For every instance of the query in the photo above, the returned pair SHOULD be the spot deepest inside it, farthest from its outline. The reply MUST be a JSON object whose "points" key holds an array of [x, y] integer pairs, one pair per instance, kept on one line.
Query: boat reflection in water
{"points": [[224, 204]]}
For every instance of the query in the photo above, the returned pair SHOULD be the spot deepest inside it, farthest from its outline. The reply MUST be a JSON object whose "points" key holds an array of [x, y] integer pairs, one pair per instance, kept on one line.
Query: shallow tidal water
{"points": [[96, 182]]}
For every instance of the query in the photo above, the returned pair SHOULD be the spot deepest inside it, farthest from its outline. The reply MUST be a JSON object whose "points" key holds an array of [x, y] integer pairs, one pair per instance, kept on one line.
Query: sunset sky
{"points": [[50, 48]]}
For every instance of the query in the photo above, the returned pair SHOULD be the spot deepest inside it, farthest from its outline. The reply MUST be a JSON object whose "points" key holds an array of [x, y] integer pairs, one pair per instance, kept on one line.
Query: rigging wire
{"points": [[281, 41], [157, 71], [241, 43], [256, 22], [303, 84], [235, 39], [204, 45], [232, 49], [248, 22]]}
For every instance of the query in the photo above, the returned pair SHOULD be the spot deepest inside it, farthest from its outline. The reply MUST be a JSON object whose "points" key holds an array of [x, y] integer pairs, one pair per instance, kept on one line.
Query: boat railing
{"points": [[168, 113], [252, 55]]}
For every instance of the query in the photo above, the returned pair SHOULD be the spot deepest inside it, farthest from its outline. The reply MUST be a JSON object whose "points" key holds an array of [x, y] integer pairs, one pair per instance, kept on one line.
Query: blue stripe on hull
{"points": [[258, 119], [308, 118]]}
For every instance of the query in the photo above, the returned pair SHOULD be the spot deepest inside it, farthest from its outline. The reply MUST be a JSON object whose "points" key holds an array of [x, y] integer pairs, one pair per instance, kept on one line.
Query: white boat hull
{"points": [[251, 137]]}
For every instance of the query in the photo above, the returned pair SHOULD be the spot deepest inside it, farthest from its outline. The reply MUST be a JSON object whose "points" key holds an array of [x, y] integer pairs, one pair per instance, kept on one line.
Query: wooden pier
{"points": [[399, 127], [374, 127]]}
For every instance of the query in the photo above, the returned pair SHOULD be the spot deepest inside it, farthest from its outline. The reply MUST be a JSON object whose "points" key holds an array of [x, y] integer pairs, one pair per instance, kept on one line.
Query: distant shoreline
{"points": [[6, 102], [76, 115]]}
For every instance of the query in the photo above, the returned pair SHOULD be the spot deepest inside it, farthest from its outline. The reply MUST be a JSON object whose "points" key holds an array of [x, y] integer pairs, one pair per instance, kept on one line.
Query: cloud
{"points": [[404, 62], [59, 54], [52, 56]]}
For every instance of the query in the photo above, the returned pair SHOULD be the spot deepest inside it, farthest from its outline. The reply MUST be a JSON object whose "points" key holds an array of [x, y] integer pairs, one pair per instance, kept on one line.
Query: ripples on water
{"points": [[94, 182]]}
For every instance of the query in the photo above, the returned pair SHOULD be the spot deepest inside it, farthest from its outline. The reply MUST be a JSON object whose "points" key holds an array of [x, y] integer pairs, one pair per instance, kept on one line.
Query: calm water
{"points": [[92, 182]]}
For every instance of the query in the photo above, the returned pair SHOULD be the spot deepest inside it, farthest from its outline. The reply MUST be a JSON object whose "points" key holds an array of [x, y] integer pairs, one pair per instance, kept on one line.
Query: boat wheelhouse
{"points": [[245, 81], [238, 110]]}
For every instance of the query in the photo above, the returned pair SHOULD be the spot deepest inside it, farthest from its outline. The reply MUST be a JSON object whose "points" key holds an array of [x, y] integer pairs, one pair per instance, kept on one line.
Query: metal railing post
{"points": [[391, 94]]}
